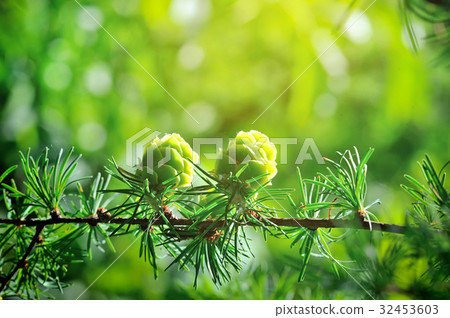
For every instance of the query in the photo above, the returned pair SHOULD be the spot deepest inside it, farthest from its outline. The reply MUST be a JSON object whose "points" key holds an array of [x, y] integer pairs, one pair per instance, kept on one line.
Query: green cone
{"points": [[166, 160], [253, 150]]}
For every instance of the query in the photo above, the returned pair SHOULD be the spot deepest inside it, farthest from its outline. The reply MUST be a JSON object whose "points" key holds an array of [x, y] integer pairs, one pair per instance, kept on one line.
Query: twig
{"points": [[23, 261], [102, 218], [309, 223]]}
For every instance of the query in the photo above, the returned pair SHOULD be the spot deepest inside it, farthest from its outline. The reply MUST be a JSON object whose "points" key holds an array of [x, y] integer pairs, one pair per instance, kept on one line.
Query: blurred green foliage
{"points": [[65, 82]]}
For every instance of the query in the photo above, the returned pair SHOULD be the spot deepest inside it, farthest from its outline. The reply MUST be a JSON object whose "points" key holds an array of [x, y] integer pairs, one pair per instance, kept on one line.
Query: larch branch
{"points": [[309, 223]]}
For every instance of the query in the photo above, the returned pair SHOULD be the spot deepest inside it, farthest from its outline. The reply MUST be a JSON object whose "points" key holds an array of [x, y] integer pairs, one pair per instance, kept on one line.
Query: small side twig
{"points": [[23, 261]]}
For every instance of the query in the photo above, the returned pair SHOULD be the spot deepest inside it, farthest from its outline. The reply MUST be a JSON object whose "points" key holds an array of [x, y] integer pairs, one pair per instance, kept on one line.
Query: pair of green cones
{"points": [[249, 159]]}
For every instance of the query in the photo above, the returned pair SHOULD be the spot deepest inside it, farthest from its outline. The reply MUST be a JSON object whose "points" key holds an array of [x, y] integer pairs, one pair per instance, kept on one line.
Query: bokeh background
{"points": [[65, 82]]}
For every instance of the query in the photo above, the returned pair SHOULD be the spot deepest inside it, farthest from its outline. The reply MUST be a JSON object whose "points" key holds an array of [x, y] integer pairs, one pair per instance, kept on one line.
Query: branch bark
{"points": [[309, 223]]}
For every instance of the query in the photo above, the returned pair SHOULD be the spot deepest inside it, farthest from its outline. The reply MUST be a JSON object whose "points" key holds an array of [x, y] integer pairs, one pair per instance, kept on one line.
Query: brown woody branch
{"points": [[104, 218], [22, 263], [309, 223]]}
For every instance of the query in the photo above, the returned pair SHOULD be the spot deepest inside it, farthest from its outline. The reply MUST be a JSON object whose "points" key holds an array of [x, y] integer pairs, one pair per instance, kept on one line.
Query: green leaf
{"points": [[309, 243], [8, 171]]}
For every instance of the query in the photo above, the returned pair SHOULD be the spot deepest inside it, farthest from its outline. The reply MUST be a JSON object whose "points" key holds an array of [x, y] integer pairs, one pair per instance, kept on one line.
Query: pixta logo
{"points": [[137, 143], [136, 146]]}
